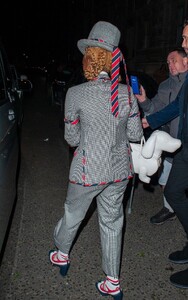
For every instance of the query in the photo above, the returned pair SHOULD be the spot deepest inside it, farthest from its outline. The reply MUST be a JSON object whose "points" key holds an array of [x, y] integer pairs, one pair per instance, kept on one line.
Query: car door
{"points": [[8, 149], [17, 94]]}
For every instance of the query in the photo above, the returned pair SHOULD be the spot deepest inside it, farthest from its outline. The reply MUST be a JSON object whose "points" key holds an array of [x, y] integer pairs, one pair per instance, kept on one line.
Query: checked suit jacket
{"points": [[103, 152]]}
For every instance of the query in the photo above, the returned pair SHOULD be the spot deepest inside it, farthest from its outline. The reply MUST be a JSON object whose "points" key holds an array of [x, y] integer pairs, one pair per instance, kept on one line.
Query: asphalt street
{"points": [[26, 272]]}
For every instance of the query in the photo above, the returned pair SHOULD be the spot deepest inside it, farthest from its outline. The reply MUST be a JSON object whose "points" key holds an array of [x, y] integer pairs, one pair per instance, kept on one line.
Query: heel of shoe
{"points": [[64, 270], [118, 296], [63, 265]]}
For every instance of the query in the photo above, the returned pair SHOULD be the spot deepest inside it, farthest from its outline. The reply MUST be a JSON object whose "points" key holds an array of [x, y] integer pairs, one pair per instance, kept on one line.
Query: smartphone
{"points": [[135, 84]]}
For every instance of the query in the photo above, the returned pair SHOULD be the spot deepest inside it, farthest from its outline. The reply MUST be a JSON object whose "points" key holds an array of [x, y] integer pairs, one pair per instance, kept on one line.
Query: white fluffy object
{"points": [[147, 155]]}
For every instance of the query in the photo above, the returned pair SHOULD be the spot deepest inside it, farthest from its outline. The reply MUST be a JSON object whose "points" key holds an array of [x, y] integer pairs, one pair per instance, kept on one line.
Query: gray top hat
{"points": [[103, 35]]}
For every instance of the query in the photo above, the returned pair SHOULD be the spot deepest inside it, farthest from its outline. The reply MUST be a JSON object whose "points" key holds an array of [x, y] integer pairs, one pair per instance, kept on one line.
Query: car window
{"points": [[6, 69], [2, 87]]}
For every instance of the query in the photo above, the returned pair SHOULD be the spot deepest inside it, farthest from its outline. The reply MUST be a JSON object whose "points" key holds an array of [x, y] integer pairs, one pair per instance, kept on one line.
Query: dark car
{"points": [[9, 145], [21, 86]]}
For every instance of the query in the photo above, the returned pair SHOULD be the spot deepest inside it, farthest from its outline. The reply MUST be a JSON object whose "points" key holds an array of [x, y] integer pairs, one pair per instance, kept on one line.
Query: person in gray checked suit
{"points": [[167, 92], [101, 117]]}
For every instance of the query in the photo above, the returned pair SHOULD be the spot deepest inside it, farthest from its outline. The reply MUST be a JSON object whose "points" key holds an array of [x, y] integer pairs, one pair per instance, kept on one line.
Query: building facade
{"points": [[153, 28], [149, 28]]}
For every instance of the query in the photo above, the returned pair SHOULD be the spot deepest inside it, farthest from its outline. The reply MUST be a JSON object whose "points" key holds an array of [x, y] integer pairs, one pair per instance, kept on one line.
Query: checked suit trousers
{"points": [[110, 216]]}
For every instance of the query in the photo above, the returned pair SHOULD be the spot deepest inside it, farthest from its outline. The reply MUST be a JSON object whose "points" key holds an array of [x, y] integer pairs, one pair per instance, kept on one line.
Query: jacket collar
{"points": [[180, 77], [103, 75]]}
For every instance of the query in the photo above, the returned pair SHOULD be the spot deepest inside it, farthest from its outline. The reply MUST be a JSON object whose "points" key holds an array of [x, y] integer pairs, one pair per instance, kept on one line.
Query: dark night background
{"points": [[39, 29], [44, 30]]}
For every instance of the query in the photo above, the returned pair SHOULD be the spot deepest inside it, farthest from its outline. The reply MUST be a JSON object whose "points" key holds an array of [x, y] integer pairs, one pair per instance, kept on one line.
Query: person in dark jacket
{"points": [[167, 92], [177, 184]]}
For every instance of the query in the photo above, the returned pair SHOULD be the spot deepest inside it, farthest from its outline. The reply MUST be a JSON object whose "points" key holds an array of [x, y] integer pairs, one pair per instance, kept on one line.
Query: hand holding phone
{"points": [[135, 85]]}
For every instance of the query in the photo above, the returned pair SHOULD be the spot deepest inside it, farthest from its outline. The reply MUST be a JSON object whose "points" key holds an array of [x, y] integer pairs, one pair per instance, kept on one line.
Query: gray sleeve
{"points": [[159, 101], [72, 120], [146, 106]]}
